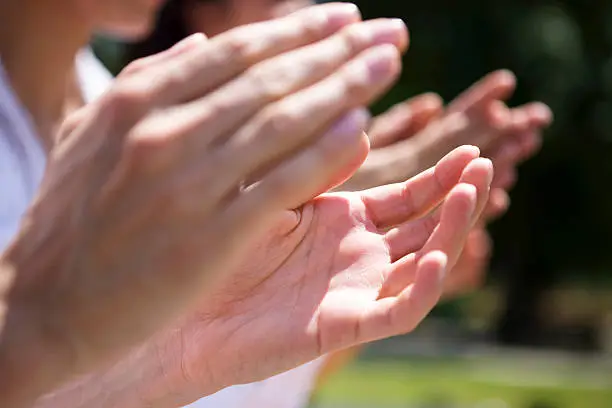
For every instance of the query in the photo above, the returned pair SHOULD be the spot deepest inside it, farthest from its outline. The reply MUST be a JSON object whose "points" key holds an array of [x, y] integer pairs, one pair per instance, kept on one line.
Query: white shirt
{"points": [[22, 157], [22, 163], [287, 390]]}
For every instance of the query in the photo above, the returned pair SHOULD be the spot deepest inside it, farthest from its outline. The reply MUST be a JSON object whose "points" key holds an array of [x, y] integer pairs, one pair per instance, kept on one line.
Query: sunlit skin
{"points": [[414, 134], [149, 205]]}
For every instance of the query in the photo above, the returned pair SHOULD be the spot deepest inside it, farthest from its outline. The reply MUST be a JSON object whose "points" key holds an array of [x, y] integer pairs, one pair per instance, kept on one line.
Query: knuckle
{"points": [[353, 84], [240, 47], [271, 81], [150, 146], [134, 67], [354, 38], [126, 101], [278, 187], [168, 81], [279, 121], [310, 26], [355, 87]]}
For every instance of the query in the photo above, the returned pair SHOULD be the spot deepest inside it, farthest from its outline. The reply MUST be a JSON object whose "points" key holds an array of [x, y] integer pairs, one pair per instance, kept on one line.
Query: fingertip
{"points": [[488, 165], [431, 101], [190, 41], [452, 166], [465, 191], [196, 38], [435, 263], [434, 258], [500, 200], [476, 170], [468, 150], [505, 78], [405, 33], [541, 114], [335, 15]]}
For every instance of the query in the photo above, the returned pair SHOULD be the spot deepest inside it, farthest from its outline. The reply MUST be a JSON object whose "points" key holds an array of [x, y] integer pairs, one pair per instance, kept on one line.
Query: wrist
{"points": [[30, 364], [150, 376], [176, 383]]}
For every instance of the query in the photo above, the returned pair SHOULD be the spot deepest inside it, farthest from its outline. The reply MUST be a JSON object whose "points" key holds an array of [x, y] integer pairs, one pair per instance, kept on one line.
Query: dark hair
{"points": [[170, 28]]}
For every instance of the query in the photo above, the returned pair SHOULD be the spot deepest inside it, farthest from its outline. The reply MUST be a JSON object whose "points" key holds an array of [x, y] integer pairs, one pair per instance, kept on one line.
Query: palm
{"points": [[337, 277]]}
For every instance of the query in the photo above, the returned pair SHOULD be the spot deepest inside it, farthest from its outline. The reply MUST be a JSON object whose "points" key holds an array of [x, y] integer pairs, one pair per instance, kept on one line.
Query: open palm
{"points": [[347, 269]]}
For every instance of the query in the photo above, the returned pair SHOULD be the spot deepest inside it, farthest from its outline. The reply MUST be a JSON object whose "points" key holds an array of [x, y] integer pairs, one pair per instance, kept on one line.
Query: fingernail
{"points": [[337, 15], [382, 62], [354, 121], [389, 31]]}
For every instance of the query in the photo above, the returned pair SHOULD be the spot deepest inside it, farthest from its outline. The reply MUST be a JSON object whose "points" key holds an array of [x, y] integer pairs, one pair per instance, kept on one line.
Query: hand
{"points": [[355, 267], [413, 135], [348, 268], [147, 200], [405, 120]]}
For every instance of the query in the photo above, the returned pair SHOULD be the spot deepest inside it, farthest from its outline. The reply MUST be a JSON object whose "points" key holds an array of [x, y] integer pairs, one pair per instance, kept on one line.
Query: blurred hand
{"points": [[156, 192], [414, 134]]}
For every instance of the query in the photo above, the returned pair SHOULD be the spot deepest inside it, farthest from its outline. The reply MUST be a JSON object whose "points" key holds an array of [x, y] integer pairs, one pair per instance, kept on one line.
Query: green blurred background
{"points": [[540, 334]]}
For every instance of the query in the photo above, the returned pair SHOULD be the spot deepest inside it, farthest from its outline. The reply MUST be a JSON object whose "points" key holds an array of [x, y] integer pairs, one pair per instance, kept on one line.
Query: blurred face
{"points": [[215, 17], [126, 19]]}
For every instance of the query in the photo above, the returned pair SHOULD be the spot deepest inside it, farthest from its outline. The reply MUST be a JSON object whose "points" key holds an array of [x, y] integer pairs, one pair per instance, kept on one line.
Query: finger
{"points": [[430, 106], [223, 57], [531, 118], [540, 115], [497, 118], [338, 153], [479, 173], [470, 270], [147, 62], [498, 205], [212, 63], [448, 236], [396, 315], [404, 120], [498, 85], [505, 178], [297, 120], [278, 77], [412, 236], [506, 150], [395, 203], [530, 143]]}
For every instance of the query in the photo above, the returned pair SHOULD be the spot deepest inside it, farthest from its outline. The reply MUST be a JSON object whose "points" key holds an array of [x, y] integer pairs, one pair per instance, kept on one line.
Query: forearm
{"points": [[31, 362], [148, 377], [38, 356], [125, 384]]}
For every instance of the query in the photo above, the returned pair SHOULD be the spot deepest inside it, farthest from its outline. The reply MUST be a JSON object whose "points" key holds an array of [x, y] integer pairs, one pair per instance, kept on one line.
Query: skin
{"points": [[374, 284], [414, 134], [152, 209]]}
